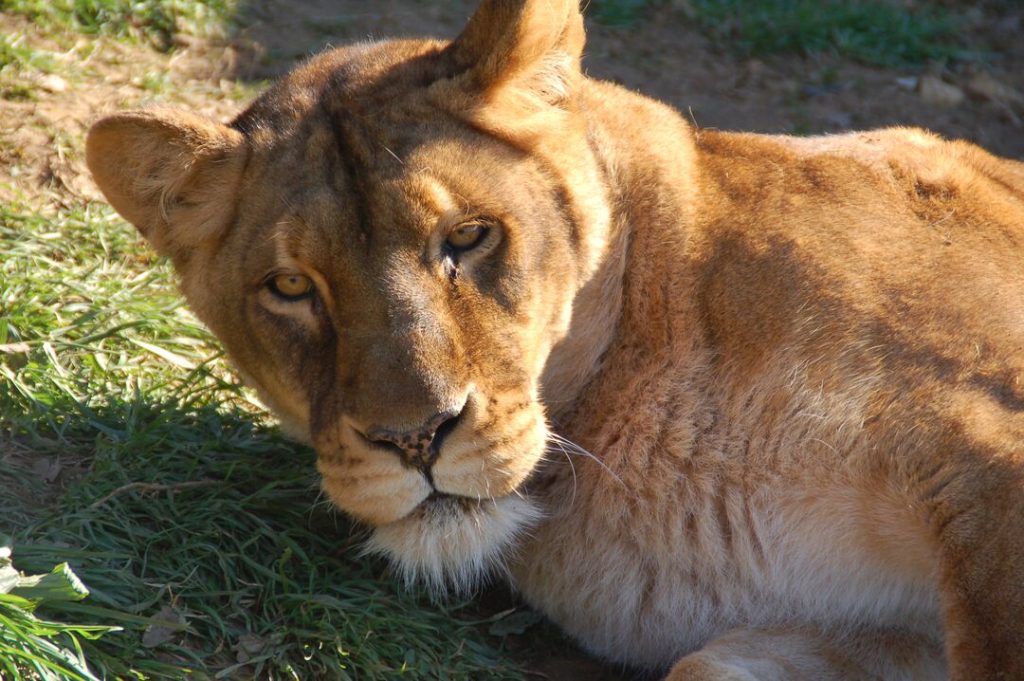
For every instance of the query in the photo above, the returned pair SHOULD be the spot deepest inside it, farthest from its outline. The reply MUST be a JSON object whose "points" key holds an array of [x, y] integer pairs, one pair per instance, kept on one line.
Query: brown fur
{"points": [[797, 363]]}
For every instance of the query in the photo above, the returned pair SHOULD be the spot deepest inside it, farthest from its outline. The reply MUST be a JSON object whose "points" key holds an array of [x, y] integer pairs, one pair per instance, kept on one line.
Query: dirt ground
{"points": [[662, 55]]}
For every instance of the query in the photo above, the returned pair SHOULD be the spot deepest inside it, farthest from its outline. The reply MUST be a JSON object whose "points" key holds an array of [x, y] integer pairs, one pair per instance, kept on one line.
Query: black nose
{"points": [[418, 448]]}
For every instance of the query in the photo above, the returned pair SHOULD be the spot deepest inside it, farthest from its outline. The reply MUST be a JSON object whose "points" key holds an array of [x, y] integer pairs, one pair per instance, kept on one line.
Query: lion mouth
{"points": [[443, 502]]}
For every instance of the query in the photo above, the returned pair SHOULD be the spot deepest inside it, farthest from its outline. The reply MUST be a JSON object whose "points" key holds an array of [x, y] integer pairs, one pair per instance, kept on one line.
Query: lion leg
{"points": [[977, 513], [808, 655]]}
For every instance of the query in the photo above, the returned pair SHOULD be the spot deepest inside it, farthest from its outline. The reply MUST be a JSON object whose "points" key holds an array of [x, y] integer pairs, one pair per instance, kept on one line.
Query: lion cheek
{"points": [[484, 479], [492, 473], [375, 499]]}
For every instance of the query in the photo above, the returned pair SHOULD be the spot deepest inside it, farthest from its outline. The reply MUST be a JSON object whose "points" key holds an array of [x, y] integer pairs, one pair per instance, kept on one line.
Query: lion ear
{"points": [[172, 174], [526, 48]]}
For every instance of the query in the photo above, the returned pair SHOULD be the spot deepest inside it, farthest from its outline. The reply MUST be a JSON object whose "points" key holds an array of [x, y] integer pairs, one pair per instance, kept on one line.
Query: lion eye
{"points": [[291, 286], [467, 236]]}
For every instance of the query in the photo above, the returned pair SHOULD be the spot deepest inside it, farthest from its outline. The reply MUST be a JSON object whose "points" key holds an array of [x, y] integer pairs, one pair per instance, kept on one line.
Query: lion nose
{"points": [[420, 447]]}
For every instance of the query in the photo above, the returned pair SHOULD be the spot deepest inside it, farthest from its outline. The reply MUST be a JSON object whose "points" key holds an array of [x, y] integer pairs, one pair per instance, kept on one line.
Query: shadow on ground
{"points": [[194, 523], [663, 54]]}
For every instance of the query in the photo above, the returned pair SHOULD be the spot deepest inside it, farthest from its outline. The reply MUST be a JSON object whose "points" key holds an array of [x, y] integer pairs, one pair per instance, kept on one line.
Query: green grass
{"points": [[156, 21], [46, 649], [617, 12], [14, 52], [875, 32], [129, 451]]}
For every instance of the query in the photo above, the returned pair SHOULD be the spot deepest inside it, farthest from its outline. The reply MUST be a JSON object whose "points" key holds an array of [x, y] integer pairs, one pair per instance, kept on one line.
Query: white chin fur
{"points": [[453, 546]]}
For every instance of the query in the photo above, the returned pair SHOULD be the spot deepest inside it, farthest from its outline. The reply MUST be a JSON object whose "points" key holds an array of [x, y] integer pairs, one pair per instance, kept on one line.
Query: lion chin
{"points": [[453, 545]]}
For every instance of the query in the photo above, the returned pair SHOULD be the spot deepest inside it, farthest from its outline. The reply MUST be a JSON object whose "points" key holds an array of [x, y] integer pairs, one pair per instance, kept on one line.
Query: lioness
{"points": [[751, 406]]}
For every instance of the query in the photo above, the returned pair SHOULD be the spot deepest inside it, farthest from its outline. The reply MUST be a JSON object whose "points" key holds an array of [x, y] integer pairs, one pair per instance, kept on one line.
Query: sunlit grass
{"points": [[156, 21]]}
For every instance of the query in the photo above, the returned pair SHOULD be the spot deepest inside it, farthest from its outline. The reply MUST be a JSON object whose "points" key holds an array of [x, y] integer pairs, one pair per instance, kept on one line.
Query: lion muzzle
{"points": [[418, 448]]}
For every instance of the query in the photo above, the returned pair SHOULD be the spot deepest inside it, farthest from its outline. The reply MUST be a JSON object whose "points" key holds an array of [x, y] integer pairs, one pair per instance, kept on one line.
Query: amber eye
{"points": [[291, 286], [466, 236]]}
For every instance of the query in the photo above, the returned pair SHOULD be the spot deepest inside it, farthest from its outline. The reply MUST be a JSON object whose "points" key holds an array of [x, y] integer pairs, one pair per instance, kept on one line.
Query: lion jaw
{"points": [[452, 545]]}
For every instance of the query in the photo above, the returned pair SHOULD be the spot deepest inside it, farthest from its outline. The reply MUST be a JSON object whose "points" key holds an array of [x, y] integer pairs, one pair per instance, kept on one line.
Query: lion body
{"points": [[824, 322], [785, 374]]}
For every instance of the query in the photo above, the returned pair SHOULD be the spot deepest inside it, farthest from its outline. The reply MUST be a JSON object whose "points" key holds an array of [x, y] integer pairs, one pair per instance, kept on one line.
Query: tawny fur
{"points": [[732, 406]]}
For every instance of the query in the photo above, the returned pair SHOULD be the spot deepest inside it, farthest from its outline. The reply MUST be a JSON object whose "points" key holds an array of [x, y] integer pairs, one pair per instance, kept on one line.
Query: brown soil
{"points": [[43, 120]]}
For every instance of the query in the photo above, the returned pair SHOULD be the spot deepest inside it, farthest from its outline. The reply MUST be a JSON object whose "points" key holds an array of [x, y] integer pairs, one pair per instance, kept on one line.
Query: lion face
{"points": [[401, 313], [390, 252]]}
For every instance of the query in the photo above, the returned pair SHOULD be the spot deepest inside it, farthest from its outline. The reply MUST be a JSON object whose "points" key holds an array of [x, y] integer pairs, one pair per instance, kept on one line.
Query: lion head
{"points": [[389, 242]]}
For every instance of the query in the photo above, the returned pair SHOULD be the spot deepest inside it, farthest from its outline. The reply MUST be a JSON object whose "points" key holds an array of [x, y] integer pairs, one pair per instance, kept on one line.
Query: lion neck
{"points": [[650, 188]]}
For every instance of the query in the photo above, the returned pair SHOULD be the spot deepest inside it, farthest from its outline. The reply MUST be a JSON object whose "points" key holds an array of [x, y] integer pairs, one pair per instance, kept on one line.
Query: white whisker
{"points": [[574, 448], [572, 467]]}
